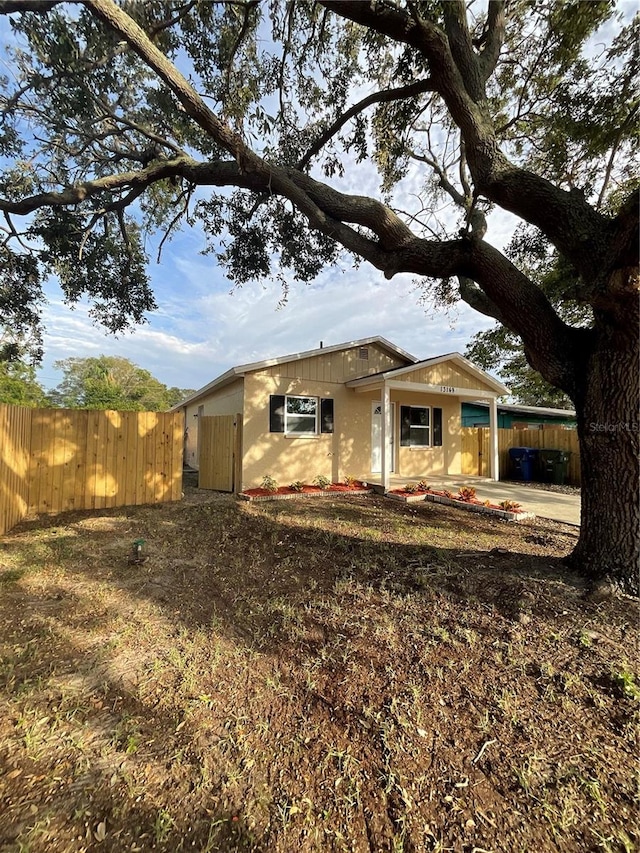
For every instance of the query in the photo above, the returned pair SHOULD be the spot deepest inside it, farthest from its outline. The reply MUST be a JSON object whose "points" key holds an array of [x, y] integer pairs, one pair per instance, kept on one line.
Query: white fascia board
{"points": [[450, 391], [532, 410], [462, 361], [297, 356]]}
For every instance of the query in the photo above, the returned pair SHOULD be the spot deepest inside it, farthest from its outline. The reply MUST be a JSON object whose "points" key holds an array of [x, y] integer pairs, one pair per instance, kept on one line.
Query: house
{"points": [[476, 414], [365, 408]]}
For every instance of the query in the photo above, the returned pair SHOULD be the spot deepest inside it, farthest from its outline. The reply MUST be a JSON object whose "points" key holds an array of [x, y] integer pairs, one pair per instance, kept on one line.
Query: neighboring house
{"points": [[365, 408], [476, 414]]}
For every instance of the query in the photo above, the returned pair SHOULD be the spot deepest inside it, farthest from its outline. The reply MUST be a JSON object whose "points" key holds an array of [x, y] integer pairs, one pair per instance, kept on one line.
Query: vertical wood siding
{"points": [[220, 452]]}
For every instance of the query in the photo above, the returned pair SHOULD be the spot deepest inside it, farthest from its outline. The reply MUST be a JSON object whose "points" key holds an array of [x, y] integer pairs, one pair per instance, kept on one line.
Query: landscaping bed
{"points": [[304, 490], [507, 510]]}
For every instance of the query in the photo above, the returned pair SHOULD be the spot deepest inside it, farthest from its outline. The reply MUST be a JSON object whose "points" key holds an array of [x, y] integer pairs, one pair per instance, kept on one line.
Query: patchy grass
{"points": [[339, 675]]}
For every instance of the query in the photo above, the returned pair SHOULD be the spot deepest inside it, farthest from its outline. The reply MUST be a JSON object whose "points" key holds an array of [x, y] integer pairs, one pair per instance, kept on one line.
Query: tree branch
{"points": [[247, 7], [455, 19], [383, 96], [478, 299], [8, 7], [567, 220], [493, 38]]}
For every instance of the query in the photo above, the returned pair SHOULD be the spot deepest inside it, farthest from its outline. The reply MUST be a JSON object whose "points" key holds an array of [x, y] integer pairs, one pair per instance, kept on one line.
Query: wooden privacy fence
{"points": [[475, 449], [220, 448], [53, 460]]}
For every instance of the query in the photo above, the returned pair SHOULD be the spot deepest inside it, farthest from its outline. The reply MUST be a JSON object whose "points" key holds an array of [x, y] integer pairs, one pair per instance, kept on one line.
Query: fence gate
{"points": [[475, 451], [219, 440]]}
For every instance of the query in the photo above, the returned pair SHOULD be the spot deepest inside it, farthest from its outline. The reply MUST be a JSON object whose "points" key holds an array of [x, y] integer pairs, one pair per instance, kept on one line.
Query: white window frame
{"points": [[288, 397], [427, 428]]}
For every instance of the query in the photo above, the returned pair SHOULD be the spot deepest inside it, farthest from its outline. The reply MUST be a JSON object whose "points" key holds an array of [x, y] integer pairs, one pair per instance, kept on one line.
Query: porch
{"points": [[421, 406]]}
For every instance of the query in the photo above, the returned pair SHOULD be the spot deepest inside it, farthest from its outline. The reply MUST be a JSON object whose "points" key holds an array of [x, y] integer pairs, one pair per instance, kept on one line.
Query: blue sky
{"points": [[201, 327]]}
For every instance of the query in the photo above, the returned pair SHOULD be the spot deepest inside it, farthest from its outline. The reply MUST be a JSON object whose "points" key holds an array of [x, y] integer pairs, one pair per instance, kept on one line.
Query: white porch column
{"points": [[385, 417], [494, 456]]}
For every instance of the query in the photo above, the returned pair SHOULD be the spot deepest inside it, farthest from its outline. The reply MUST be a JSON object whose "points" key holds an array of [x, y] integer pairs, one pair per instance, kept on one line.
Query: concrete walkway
{"points": [[554, 505]]}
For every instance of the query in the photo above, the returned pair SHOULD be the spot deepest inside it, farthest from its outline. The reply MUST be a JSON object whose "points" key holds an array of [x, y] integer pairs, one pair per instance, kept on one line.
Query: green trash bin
{"points": [[554, 466]]}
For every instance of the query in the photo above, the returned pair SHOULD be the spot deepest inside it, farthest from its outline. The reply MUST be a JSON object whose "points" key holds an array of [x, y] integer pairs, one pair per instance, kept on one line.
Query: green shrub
{"points": [[269, 483]]}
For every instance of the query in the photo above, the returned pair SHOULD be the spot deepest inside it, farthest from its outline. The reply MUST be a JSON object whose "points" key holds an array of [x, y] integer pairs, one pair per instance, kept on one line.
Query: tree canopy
{"points": [[19, 386], [252, 120], [111, 382]]}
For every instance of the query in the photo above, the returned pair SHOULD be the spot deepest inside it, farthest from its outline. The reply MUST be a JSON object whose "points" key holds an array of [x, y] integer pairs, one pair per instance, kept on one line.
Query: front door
{"points": [[376, 437]]}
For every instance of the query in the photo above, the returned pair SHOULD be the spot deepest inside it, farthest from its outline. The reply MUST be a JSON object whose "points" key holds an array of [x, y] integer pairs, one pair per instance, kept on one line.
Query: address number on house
{"points": [[447, 389]]}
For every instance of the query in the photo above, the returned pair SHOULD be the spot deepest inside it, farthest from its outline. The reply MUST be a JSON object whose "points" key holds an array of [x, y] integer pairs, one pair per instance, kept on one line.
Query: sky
{"points": [[203, 326]]}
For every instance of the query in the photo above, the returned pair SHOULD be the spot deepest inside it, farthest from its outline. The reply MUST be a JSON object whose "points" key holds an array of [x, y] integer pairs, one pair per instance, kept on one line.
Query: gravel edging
{"points": [[544, 487]]}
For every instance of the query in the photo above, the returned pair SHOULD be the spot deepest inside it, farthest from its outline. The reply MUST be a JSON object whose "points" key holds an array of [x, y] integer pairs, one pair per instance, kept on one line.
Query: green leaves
{"points": [[18, 384], [109, 382], [104, 261]]}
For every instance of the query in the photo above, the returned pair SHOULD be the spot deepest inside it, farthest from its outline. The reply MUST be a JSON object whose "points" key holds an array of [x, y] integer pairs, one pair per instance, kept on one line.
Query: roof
{"points": [[528, 410], [242, 369], [457, 357]]}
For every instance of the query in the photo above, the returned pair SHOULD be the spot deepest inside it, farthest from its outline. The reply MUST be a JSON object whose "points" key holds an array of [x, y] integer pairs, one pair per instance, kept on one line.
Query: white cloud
{"points": [[197, 334]]}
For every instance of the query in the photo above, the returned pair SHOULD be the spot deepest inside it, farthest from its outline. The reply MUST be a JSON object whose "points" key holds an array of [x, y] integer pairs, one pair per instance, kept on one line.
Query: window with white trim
{"points": [[301, 415], [415, 426], [421, 426], [297, 415]]}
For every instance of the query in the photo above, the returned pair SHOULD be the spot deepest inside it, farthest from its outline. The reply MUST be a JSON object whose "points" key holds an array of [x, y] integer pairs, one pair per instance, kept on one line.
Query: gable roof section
{"points": [[455, 357], [242, 369]]}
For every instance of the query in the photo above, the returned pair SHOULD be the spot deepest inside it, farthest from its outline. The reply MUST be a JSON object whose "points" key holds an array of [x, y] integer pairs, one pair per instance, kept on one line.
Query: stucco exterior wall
{"points": [[289, 458], [426, 462], [227, 401], [348, 450]]}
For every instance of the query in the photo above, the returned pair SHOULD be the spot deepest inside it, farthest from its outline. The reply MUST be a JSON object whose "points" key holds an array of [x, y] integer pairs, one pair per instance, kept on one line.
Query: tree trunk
{"points": [[608, 416]]}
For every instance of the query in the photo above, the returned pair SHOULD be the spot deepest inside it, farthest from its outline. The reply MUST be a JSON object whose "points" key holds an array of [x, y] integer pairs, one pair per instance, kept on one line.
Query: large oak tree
{"points": [[116, 116]]}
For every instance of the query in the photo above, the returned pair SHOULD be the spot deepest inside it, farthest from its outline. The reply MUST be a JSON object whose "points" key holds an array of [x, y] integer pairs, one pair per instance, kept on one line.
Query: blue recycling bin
{"points": [[523, 462]]}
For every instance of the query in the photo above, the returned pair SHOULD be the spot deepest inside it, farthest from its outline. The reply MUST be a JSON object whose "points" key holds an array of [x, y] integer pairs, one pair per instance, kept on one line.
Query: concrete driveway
{"points": [[557, 506]]}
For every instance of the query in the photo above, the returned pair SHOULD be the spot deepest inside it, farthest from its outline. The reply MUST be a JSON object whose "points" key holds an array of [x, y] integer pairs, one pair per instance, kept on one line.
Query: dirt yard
{"points": [[335, 674]]}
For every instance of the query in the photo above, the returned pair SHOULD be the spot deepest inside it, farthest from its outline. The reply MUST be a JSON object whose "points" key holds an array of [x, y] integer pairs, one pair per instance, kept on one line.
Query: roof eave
{"points": [[220, 382], [428, 362]]}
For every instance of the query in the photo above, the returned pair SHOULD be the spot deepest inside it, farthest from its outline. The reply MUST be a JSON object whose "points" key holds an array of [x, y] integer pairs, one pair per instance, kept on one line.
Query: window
{"points": [[363, 353], [416, 426], [300, 415], [421, 426]]}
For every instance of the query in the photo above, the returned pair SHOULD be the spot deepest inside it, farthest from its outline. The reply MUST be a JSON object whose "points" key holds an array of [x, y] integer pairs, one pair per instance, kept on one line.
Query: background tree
{"points": [[111, 382], [19, 386], [512, 106], [501, 350]]}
